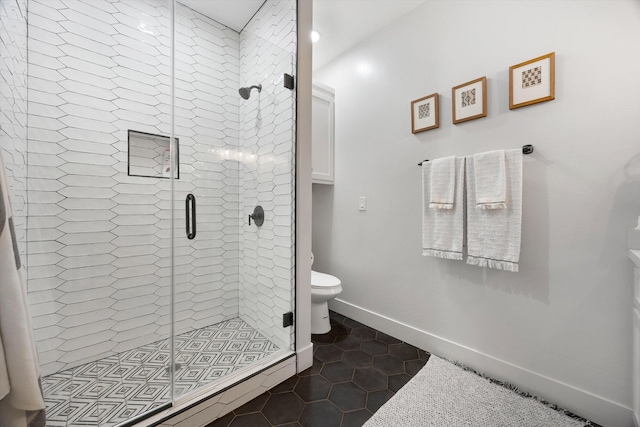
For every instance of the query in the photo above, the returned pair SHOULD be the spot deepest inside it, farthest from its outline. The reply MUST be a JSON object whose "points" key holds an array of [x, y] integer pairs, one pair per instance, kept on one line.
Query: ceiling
{"points": [[345, 23], [233, 13], [342, 23]]}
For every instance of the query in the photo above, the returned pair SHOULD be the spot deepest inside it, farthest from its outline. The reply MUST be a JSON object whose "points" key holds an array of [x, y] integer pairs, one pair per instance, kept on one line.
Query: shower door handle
{"points": [[190, 210]]}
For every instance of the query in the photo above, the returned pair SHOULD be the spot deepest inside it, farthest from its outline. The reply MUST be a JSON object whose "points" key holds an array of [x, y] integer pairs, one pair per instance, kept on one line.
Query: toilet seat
{"points": [[323, 281]]}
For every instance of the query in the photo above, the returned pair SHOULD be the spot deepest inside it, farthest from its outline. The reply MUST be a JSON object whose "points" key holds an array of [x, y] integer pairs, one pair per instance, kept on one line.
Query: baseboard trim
{"points": [[305, 358], [580, 402]]}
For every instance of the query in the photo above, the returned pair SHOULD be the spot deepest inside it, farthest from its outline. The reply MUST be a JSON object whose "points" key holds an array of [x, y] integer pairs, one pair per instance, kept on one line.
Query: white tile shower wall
{"points": [[13, 110], [99, 240], [268, 48]]}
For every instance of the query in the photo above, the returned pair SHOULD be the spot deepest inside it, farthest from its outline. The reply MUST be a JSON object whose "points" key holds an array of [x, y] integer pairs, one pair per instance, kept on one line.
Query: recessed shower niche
{"points": [[150, 155]]}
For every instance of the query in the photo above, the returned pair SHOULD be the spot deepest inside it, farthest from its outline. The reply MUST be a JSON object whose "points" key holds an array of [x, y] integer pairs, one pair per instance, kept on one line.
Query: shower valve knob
{"points": [[257, 216]]}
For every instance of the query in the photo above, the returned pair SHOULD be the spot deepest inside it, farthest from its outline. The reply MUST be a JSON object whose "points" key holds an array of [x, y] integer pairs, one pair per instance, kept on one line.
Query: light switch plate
{"points": [[362, 203]]}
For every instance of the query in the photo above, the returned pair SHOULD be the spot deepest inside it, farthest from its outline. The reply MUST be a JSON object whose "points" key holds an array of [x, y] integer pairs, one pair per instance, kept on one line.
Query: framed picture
{"points": [[469, 100], [532, 81], [425, 113]]}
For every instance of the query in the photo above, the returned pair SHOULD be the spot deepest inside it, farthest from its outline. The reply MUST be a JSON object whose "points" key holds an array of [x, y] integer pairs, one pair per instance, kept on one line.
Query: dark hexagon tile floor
{"points": [[356, 369]]}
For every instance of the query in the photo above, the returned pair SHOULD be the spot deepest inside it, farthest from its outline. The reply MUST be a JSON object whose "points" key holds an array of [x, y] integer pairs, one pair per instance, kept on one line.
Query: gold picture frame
{"points": [[532, 81], [425, 113], [469, 100]]}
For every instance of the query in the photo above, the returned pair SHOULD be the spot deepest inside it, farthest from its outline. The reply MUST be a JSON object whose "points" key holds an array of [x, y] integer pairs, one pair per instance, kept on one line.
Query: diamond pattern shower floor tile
{"points": [[114, 389]]}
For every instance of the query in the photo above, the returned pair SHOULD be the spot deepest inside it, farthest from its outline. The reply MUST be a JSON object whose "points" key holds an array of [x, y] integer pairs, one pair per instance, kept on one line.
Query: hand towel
{"points": [[490, 180], [442, 229], [493, 235], [21, 401], [443, 183]]}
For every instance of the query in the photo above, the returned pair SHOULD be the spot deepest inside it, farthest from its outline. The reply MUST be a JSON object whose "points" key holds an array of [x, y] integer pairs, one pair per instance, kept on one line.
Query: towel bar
{"points": [[526, 149]]}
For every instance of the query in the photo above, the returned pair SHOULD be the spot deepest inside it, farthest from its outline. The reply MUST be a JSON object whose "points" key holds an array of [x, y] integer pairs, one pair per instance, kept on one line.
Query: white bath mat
{"points": [[443, 394]]}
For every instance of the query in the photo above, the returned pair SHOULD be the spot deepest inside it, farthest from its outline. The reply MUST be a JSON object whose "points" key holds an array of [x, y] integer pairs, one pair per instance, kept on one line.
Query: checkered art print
{"points": [[424, 111], [531, 77], [532, 81]]}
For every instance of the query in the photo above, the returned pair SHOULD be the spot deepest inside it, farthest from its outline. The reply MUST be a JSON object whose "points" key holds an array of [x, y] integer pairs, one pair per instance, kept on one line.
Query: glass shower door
{"points": [[205, 199], [98, 240], [233, 280]]}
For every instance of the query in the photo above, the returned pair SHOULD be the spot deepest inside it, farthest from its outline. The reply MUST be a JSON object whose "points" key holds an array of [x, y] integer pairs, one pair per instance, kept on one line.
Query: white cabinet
{"points": [[322, 134]]}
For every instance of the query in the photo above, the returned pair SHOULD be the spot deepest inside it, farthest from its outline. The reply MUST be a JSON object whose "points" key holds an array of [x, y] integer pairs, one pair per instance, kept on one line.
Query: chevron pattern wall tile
{"points": [[99, 239]]}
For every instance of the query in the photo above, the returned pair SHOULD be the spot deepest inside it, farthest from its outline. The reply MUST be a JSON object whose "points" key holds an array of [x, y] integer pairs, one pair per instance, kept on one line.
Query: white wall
{"points": [[564, 321], [304, 347]]}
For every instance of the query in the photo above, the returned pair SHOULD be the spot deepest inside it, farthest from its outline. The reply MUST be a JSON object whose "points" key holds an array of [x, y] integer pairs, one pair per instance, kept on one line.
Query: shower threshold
{"points": [[120, 387]]}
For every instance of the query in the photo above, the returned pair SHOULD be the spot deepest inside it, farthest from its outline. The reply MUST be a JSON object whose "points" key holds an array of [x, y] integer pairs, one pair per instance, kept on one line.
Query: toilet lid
{"points": [[321, 280]]}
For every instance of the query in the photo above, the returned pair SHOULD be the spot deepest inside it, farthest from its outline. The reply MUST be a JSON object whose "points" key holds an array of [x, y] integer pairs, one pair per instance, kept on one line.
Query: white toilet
{"points": [[324, 287]]}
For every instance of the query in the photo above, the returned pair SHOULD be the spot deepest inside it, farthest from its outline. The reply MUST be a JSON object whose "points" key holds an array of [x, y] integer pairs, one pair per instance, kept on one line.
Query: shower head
{"points": [[245, 92]]}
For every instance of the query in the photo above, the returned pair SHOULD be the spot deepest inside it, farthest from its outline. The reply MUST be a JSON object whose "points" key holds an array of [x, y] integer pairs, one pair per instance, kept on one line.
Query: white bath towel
{"points": [[442, 229], [21, 402], [493, 235], [443, 183], [490, 178]]}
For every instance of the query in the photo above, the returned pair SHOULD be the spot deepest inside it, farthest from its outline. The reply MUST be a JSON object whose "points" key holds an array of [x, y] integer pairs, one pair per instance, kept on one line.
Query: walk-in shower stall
{"points": [[134, 163]]}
